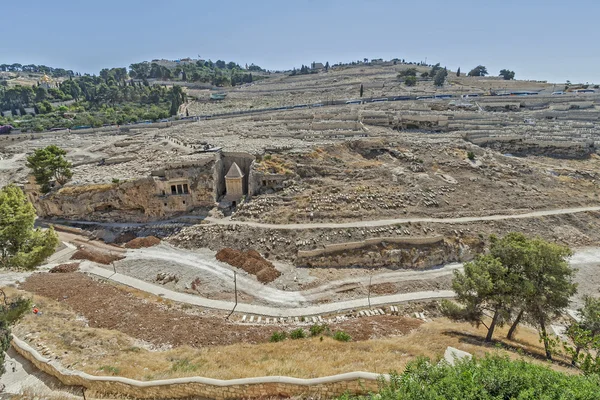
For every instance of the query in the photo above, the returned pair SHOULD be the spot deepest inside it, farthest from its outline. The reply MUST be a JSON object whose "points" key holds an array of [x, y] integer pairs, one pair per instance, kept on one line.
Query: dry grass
{"points": [[76, 190], [90, 349]]}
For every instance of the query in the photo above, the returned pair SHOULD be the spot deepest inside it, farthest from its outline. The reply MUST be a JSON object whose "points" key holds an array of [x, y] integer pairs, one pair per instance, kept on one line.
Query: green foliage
{"points": [[10, 312], [278, 337], [507, 74], [471, 156], [458, 72], [184, 365], [298, 334], [490, 378], [484, 287], [435, 69], [479, 70], [585, 338], [110, 369], [49, 164], [317, 329], [408, 72], [21, 246], [361, 90], [410, 80], [440, 77], [342, 336]]}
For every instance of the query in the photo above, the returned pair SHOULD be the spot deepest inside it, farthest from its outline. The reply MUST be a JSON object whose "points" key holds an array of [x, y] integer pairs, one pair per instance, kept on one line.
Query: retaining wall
{"points": [[270, 386], [332, 248]]}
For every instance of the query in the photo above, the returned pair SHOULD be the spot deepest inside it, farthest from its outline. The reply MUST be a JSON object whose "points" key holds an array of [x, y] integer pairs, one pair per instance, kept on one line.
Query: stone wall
{"points": [[261, 387], [333, 248]]}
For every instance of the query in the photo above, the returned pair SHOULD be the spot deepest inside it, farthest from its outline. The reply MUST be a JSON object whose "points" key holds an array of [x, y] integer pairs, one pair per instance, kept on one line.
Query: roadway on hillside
{"points": [[385, 222]]}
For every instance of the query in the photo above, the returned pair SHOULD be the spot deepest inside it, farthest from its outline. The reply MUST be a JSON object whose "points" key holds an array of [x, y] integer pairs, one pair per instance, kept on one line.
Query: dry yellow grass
{"points": [[75, 190], [106, 352]]}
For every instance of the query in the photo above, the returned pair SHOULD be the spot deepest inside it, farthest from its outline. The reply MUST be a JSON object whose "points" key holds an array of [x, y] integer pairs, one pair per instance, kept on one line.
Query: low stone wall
{"points": [[270, 386], [332, 248]]}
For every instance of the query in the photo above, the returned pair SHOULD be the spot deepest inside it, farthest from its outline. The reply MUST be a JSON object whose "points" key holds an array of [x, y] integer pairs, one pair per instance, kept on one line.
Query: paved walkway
{"points": [[268, 311], [385, 222]]}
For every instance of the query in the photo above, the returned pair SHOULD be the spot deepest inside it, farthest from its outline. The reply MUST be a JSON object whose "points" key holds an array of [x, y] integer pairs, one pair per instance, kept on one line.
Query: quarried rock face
{"points": [[173, 190]]}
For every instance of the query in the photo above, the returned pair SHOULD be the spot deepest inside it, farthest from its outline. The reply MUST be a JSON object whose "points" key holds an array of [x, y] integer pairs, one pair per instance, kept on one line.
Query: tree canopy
{"points": [[49, 164], [410, 80], [440, 77], [479, 70], [520, 277], [22, 246], [507, 74]]}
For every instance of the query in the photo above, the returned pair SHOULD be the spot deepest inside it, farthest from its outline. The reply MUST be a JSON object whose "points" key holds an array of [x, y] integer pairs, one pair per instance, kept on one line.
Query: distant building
{"points": [[317, 66], [46, 82]]}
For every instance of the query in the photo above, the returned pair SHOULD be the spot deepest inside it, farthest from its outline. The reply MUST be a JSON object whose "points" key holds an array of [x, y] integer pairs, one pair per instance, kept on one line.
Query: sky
{"points": [[538, 39]]}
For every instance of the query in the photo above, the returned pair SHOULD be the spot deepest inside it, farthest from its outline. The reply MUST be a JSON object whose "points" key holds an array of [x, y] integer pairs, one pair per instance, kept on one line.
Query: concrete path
{"points": [[385, 222], [269, 311], [22, 376]]}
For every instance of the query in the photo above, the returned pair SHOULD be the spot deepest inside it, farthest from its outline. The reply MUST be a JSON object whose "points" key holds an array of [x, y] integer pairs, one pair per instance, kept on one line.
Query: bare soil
{"points": [[65, 268], [162, 323], [138, 243], [250, 261], [95, 256]]}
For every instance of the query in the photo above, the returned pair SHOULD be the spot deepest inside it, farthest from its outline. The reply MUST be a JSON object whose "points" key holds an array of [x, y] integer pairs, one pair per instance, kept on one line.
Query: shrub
{"points": [[410, 81], [471, 155], [277, 337], [115, 180], [342, 336], [492, 377], [298, 334], [317, 329], [110, 369]]}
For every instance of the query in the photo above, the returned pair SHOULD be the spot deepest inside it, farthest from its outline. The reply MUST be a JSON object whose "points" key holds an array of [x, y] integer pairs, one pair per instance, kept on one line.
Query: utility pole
{"points": [[235, 291], [369, 292]]}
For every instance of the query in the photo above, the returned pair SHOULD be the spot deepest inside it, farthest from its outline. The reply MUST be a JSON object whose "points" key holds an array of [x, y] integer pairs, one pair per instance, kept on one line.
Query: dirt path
{"points": [[385, 222]]}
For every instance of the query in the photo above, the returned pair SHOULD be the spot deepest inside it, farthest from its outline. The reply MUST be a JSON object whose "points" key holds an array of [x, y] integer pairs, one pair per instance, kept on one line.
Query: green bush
{"points": [[298, 334], [410, 80], [110, 369], [317, 329], [471, 156], [277, 337], [342, 336], [493, 377]]}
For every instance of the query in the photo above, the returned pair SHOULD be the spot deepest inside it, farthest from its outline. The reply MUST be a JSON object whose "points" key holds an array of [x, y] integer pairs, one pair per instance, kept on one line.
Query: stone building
{"points": [[234, 190]]}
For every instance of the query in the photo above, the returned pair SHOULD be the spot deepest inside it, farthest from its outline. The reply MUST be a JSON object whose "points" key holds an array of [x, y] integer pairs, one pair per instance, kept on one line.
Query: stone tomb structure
{"points": [[193, 184]]}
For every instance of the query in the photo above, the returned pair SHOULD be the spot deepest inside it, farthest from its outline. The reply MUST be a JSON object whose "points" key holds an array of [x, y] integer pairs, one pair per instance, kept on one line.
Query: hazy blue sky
{"points": [[538, 39]]}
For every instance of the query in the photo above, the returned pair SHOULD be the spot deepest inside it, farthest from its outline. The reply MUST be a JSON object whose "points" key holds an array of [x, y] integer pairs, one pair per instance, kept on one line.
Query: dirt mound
{"points": [[96, 256], [138, 243], [64, 268], [125, 237], [250, 261]]}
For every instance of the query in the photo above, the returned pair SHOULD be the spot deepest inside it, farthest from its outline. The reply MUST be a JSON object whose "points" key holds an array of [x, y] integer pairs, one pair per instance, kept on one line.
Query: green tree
{"points": [[40, 94], [507, 74], [546, 283], [408, 72], [327, 66], [485, 286], [22, 246], [361, 90], [435, 69], [585, 336], [440, 77], [479, 70], [458, 72], [49, 164], [410, 80]]}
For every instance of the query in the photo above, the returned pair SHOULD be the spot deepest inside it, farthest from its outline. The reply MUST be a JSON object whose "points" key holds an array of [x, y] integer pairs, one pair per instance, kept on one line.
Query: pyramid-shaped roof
{"points": [[234, 172]]}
